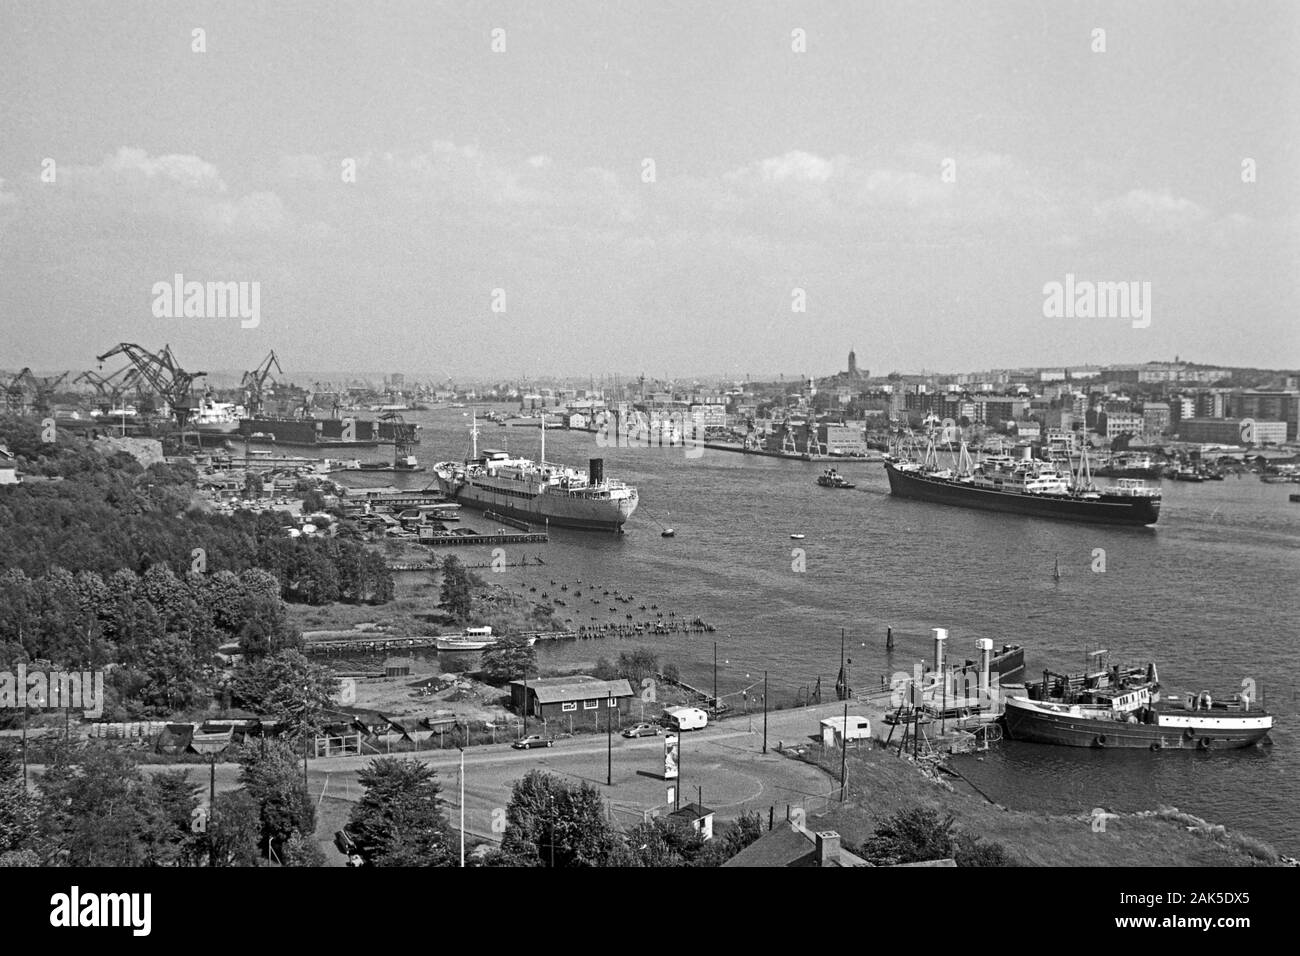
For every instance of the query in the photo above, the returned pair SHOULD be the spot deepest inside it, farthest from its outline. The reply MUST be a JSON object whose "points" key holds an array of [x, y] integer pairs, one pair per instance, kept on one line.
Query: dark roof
{"points": [[554, 690], [692, 810], [788, 846]]}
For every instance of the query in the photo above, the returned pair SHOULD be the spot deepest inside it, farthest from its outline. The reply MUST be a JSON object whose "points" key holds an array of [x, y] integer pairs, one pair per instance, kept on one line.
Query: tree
{"points": [[507, 660], [97, 809], [551, 822], [288, 687], [456, 596], [270, 773], [972, 851], [302, 851], [18, 811], [604, 670], [232, 833], [638, 664], [659, 842], [400, 820], [913, 835]]}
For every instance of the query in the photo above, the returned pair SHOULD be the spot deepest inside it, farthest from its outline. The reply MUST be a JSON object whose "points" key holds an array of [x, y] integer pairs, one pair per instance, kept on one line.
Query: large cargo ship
{"points": [[1024, 486], [537, 492], [329, 431]]}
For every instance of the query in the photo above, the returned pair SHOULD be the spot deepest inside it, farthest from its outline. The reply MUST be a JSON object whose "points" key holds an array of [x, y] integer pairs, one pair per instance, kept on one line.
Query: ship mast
{"points": [[543, 461], [473, 433]]}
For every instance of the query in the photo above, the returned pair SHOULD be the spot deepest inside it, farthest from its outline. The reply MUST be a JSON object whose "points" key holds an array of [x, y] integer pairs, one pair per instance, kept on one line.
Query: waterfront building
{"points": [[1280, 405], [1227, 431], [581, 699], [1155, 418]]}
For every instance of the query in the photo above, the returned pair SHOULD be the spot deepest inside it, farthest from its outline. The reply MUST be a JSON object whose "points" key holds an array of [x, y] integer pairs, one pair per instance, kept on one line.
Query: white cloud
{"points": [[1159, 211]]}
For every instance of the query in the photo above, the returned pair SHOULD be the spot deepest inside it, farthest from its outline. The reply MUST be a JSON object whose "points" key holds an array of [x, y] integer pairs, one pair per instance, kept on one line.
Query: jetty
{"points": [[457, 539]]}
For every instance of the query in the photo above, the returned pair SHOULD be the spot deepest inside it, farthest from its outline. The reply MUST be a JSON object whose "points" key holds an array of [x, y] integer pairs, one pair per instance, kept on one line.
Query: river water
{"points": [[1210, 595]]}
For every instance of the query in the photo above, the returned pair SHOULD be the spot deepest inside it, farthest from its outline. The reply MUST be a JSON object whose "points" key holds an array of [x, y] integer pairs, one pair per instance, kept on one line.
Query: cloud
{"points": [[1158, 211]]}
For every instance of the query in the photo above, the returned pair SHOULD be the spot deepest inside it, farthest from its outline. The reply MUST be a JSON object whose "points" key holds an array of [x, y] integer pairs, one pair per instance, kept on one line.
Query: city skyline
{"points": [[686, 196]]}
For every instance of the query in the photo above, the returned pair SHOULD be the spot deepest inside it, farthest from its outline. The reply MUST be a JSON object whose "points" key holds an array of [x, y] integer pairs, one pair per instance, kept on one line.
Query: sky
{"points": [[511, 190]]}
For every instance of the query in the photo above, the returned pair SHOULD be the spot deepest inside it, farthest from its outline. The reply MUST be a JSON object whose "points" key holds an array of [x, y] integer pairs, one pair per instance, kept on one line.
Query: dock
{"points": [[457, 540], [505, 519]]}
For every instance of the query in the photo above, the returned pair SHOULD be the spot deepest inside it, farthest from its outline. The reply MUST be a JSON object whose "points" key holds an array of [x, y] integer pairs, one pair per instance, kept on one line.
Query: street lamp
{"points": [[462, 804]]}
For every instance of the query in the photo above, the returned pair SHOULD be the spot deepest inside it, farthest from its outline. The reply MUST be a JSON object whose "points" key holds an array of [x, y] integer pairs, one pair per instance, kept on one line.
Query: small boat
{"points": [[797, 537], [830, 478], [668, 533]]}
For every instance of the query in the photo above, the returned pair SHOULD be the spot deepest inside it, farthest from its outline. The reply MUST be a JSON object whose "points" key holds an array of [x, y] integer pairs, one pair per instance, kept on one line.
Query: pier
{"points": [[456, 540]]}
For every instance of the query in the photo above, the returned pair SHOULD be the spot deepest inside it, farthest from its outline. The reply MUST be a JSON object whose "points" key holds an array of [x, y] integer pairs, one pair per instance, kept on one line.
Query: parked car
{"points": [[531, 741], [643, 730]]}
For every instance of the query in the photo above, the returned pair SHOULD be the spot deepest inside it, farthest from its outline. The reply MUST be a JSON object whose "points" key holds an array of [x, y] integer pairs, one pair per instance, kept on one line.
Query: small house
{"points": [[579, 701]]}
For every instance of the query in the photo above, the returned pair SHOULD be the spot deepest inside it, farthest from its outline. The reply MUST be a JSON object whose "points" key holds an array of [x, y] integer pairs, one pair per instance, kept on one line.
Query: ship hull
{"points": [[1185, 733], [1104, 509], [543, 509]]}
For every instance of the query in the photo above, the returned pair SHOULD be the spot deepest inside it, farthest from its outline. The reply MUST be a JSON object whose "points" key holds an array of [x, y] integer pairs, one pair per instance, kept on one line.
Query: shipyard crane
{"points": [[254, 384], [15, 390], [163, 374], [42, 387], [110, 389]]}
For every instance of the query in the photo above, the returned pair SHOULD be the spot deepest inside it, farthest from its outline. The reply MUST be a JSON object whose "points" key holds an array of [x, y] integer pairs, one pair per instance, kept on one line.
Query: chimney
{"points": [[940, 639], [986, 665], [828, 848]]}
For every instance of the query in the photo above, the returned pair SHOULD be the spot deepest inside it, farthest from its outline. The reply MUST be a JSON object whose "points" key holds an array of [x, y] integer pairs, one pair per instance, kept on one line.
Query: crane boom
{"points": [[163, 373]]}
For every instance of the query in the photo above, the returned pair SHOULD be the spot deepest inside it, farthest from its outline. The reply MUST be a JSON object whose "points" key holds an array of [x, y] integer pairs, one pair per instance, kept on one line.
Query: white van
{"points": [[685, 718]]}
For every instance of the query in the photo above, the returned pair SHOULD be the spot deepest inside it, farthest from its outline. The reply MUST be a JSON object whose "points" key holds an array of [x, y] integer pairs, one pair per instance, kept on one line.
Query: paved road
{"points": [[724, 764]]}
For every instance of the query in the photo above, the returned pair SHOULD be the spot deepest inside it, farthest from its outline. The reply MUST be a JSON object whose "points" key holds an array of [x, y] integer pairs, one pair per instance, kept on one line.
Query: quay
{"points": [[506, 519], [399, 499], [456, 540]]}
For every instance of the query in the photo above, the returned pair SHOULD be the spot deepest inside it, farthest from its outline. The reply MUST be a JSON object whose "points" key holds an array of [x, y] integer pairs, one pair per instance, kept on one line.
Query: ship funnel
{"points": [[596, 470], [986, 665], [940, 639]]}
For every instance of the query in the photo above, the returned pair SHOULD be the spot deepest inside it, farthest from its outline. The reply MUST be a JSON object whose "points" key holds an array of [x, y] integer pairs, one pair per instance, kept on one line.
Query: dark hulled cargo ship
{"points": [[328, 431], [1137, 719], [1025, 487]]}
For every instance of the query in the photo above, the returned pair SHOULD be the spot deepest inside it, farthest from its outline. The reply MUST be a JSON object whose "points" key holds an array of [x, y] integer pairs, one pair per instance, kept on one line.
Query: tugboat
{"points": [[830, 478], [1125, 710]]}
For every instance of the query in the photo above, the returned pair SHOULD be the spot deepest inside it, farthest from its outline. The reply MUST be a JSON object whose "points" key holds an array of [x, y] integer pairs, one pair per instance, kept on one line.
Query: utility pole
{"points": [[212, 806], [609, 742], [715, 675], [462, 806], [764, 711], [844, 730]]}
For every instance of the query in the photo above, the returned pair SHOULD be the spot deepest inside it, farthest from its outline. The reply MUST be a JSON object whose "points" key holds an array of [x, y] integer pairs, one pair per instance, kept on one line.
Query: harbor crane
{"points": [[42, 387], [163, 373], [15, 390], [110, 389], [254, 384]]}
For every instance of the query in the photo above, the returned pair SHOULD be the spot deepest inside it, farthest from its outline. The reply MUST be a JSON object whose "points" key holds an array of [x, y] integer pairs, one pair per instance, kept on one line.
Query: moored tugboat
{"points": [[1126, 711]]}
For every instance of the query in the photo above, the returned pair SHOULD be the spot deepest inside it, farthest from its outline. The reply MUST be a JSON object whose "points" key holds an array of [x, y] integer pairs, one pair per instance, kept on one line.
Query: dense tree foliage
{"points": [[455, 595], [271, 773], [400, 821], [108, 512], [917, 834], [551, 822], [509, 659], [98, 809], [288, 688]]}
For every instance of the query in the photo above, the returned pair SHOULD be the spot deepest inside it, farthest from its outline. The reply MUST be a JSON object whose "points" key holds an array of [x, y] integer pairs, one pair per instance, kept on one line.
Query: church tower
{"points": [[853, 364]]}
